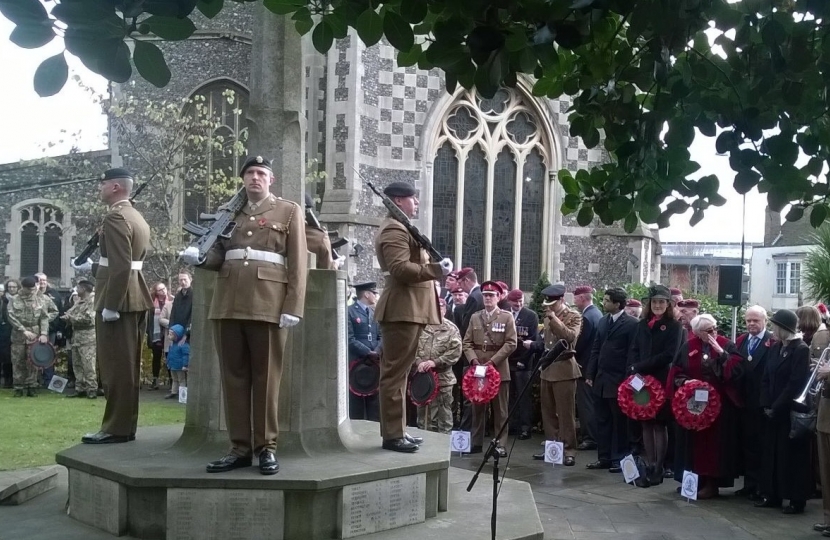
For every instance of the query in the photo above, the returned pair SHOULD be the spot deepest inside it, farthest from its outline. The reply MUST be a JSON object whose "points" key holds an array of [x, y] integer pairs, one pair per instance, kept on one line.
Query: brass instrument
{"points": [[812, 390]]}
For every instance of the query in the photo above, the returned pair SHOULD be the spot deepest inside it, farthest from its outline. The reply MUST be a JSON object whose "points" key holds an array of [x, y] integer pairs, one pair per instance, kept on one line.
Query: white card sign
{"points": [[58, 384], [629, 469], [688, 488], [481, 372], [701, 395], [554, 452], [182, 394], [637, 383], [459, 441]]}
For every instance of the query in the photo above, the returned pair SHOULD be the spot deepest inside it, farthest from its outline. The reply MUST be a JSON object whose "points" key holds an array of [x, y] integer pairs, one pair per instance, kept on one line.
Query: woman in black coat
{"points": [[785, 472], [656, 345]]}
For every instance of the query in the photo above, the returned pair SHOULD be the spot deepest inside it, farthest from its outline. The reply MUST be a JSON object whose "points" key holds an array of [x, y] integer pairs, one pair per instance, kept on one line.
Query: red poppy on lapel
{"points": [[262, 222], [357, 320], [694, 352], [768, 343], [662, 327]]}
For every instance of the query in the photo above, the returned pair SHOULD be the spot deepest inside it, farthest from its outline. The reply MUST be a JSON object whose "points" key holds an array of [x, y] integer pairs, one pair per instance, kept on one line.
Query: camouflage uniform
{"points": [[26, 313], [440, 343], [82, 318]]}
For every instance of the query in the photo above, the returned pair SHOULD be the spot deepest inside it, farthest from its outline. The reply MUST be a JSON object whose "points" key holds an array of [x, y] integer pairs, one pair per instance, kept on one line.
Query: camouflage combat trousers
{"points": [[83, 362], [437, 416], [25, 374]]}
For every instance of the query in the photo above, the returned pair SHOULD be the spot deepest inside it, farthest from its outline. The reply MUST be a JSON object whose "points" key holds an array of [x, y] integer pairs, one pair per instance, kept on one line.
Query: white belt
{"points": [[134, 265], [249, 254]]}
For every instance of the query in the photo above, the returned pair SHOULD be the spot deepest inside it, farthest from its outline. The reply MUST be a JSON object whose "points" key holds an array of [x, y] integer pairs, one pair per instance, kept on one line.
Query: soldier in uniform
{"points": [[558, 387], [491, 339], [29, 317], [81, 318], [123, 300], [260, 293], [439, 347], [364, 346], [318, 242], [407, 304]]}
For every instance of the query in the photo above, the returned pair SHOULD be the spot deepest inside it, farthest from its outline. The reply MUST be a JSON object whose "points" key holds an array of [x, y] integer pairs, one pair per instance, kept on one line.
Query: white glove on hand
{"points": [[338, 263], [85, 267], [110, 315], [287, 321], [446, 265], [191, 256]]}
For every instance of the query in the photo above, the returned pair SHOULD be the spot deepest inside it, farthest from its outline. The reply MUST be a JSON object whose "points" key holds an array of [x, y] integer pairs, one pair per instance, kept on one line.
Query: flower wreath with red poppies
{"points": [[481, 390], [642, 405], [686, 417]]}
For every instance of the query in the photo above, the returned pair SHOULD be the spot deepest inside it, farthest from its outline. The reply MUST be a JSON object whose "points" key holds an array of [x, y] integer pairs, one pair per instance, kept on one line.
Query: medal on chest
{"points": [[497, 327]]}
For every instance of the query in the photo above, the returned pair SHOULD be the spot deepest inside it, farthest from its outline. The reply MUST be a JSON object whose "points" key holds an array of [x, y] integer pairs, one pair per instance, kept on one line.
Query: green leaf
{"points": [[304, 25], [337, 24], [370, 27], [569, 184], [398, 31], [796, 212], [24, 11], [210, 8], [591, 137], [745, 181], [410, 57], [681, 132], [630, 222], [585, 216], [413, 11], [283, 7], [171, 28], [650, 213], [697, 217], [113, 61], [620, 207], [150, 63], [516, 40], [31, 36], [51, 75], [322, 37], [818, 215]]}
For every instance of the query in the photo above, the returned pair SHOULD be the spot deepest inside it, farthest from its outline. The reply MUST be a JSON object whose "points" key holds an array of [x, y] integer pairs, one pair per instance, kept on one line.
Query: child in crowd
{"points": [[178, 357]]}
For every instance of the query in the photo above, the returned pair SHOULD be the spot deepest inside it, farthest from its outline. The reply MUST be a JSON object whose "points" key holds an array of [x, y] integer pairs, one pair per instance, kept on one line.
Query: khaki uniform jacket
{"points": [[318, 242], [566, 326], [29, 313], [408, 292], [261, 290], [440, 343], [820, 341], [493, 340], [81, 316], [124, 238]]}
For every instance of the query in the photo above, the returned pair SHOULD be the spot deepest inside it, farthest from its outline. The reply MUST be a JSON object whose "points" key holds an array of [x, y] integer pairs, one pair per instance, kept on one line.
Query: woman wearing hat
{"points": [[656, 345], [785, 472]]}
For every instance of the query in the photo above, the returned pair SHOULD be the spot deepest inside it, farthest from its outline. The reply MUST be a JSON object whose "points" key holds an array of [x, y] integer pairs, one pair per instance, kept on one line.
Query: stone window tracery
{"points": [[40, 240]]}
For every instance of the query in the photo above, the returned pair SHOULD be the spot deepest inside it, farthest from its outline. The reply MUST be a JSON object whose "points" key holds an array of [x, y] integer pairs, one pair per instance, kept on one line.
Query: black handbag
{"points": [[802, 424]]}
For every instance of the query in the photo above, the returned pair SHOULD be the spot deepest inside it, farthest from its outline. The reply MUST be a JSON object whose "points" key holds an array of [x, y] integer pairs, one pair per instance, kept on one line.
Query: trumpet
{"points": [[812, 390]]}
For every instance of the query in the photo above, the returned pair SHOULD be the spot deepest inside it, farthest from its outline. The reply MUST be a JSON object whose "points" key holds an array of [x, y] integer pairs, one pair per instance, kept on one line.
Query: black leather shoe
{"points": [[524, 435], [600, 464], [791, 510], [820, 527], [755, 497], [668, 473], [413, 440], [104, 438], [228, 463], [540, 456], [615, 467], [569, 461], [587, 445], [268, 463], [767, 503], [399, 445], [744, 492]]}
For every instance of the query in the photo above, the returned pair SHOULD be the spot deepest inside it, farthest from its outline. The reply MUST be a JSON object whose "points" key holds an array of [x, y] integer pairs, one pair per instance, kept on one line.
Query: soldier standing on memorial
{"points": [[260, 293], [29, 317], [81, 318]]}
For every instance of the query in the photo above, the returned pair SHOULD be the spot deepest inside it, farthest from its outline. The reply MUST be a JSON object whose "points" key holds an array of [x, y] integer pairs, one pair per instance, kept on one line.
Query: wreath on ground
{"points": [[692, 414], [481, 390], [643, 404]]}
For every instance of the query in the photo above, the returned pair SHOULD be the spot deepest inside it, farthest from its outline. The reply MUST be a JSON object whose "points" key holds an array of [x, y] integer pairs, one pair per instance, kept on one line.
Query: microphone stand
{"points": [[547, 359]]}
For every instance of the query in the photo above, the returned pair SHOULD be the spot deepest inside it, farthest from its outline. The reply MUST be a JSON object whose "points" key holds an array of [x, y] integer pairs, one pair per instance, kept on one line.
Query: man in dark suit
{"points": [[364, 347], [754, 346], [584, 302], [468, 280], [527, 328], [604, 374]]}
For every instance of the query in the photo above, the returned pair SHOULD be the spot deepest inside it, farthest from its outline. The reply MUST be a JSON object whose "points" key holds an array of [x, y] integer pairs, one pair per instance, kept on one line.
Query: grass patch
{"points": [[32, 430]]}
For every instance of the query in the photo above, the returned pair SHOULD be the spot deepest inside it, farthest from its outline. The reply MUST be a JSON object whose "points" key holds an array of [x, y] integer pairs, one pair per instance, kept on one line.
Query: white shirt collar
{"points": [[615, 317]]}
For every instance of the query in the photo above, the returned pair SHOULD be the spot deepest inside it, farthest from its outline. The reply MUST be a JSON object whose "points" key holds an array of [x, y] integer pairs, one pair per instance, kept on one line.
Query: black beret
{"points": [[309, 201], [368, 286], [257, 161], [111, 174], [28, 282], [399, 189]]}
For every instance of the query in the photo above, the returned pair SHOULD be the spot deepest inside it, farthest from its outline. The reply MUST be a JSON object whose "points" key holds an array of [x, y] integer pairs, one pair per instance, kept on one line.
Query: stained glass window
{"points": [[462, 123], [475, 196], [41, 240], [533, 199], [504, 205], [445, 195]]}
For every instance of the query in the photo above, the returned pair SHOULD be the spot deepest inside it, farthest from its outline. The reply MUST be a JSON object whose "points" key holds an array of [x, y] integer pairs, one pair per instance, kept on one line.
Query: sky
{"points": [[30, 123]]}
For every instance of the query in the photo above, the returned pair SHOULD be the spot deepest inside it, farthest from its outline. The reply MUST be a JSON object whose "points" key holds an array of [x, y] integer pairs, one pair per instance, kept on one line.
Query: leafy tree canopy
{"points": [[644, 76]]}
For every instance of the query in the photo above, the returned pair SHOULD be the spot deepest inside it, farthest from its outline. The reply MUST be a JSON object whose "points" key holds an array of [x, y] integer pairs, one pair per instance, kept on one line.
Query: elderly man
{"points": [[753, 345], [584, 302], [527, 329], [634, 307], [688, 309]]}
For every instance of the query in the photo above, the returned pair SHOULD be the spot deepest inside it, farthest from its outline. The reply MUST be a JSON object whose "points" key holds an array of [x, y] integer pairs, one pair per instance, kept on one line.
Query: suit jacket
{"points": [[408, 292], [475, 303], [527, 327], [124, 238], [753, 369], [363, 330], [609, 354], [785, 375], [656, 348], [590, 318], [498, 335], [261, 290]]}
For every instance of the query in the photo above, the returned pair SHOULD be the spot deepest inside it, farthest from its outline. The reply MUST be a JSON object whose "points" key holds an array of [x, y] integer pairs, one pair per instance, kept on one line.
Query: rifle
{"points": [[222, 227], [92, 243], [312, 221], [398, 214]]}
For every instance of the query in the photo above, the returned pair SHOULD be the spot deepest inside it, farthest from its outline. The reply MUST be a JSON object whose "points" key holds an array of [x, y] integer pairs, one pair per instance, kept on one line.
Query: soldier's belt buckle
{"points": [[247, 252]]}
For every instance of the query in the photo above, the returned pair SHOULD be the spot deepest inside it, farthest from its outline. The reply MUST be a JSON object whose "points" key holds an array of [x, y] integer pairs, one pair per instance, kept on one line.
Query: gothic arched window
{"points": [[226, 102], [489, 187], [41, 240]]}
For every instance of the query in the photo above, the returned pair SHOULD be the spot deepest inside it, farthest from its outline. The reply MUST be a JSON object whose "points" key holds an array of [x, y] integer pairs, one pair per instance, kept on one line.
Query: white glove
{"points": [[110, 315], [287, 321], [338, 263], [191, 256], [85, 267], [446, 265]]}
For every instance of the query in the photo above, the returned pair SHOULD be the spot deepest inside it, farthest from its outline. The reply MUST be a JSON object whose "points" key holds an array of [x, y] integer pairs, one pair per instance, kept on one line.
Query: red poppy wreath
{"points": [[481, 390], [643, 404], [692, 414]]}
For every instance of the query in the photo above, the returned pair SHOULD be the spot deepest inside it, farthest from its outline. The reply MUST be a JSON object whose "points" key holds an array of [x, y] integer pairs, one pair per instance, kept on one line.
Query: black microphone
{"points": [[561, 347]]}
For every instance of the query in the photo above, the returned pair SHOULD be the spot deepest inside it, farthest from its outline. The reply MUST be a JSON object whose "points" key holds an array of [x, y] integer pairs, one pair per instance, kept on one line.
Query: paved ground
{"points": [[573, 503]]}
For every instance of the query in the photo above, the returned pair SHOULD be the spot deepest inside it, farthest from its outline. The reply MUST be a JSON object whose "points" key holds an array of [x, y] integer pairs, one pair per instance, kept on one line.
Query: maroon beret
{"points": [[633, 302], [515, 295], [584, 289], [464, 272], [458, 290], [689, 302], [453, 275], [674, 291], [491, 287]]}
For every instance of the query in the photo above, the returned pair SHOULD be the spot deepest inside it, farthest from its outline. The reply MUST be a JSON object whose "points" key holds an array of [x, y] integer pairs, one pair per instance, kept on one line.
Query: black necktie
{"points": [[610, 321]]}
